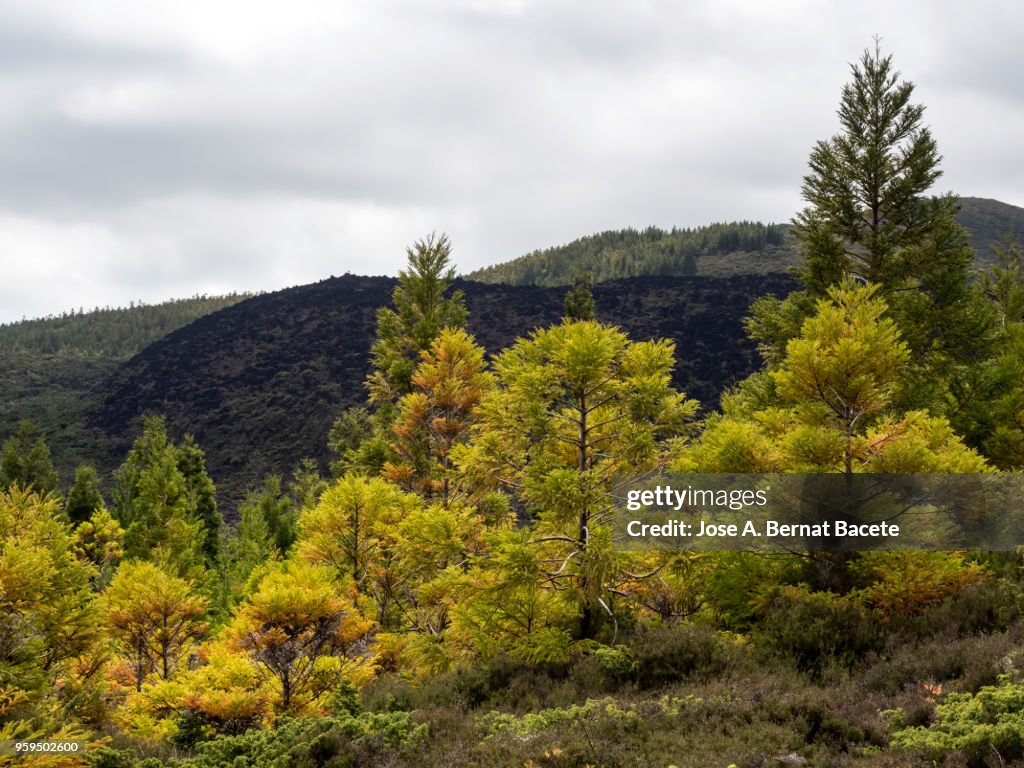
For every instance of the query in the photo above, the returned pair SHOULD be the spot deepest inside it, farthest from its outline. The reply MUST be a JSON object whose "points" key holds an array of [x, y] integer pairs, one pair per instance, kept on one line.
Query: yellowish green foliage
{"points": [[303, 635], [22, 731], [978, 726], [425, 574], [496, 723], [98, 541], [352, 531], [406, 561], [572, 407], [510, 606], [155, 618], [223, 691], [433, 550], [847, 357], [826, 407], [48, 616]]}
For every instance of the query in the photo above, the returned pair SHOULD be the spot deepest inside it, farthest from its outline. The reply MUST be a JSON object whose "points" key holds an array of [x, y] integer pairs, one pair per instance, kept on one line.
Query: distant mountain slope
{"points": [[718, 250], [988, 222], [48, 365], [260, 383]]}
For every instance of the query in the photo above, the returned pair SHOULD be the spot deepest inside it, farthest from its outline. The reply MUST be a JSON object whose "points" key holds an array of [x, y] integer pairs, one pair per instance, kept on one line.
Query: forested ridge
{"points": [[717, 250], [49, 365], [112, 332], [446, 587]]}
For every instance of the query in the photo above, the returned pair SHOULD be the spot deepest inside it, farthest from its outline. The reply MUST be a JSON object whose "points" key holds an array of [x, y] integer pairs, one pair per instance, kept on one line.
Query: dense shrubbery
{"points": [[342, 741]]}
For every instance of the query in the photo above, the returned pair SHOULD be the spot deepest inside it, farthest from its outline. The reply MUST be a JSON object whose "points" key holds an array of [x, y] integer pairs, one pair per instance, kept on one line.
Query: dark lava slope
{"points": [[259, 383]]}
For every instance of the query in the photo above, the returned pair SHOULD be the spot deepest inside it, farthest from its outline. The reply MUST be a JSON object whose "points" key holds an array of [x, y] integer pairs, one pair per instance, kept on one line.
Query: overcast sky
{"points": [[151, 150]]}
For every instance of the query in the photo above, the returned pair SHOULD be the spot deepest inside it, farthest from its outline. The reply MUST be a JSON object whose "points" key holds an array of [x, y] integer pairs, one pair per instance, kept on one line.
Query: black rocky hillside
{"points": [[260, 383]]}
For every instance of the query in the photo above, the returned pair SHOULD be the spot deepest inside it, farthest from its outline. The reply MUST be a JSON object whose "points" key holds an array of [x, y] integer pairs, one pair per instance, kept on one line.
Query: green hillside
{"points": [[117, 332], [717, 250], [48, 365]]}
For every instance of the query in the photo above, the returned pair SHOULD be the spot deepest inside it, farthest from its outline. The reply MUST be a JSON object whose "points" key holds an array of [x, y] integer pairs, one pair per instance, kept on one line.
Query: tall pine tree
{"points": [[574, 408], [165, 501], [869, 216]]}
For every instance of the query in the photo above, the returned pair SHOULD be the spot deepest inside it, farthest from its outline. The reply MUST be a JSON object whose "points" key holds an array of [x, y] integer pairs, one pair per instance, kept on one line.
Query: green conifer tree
{"points": [[151, 503], [84, 497], [988, 404], [200, 495], [26, 461], [421, 312], [579, 301], [869, 217], [1003, 283]]}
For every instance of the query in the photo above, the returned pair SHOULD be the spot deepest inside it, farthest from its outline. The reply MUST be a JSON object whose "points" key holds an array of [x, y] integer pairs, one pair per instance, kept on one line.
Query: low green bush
{"points": [[330, 742], [669, 654], [988, 725]]}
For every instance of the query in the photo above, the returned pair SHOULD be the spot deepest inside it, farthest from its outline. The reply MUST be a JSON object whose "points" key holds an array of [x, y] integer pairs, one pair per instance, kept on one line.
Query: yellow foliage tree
{"points": [[352, 531], [224, 693], [48, 619], [303, 635], [99, 540], [829, 406], [447, 387], [154, 616], [573, 409]]}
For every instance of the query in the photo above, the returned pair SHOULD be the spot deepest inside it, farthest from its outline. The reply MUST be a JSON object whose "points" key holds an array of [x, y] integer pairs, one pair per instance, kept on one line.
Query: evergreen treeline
{"points": [[718, 250], [117, 332], [754, 247], [453, 593]]}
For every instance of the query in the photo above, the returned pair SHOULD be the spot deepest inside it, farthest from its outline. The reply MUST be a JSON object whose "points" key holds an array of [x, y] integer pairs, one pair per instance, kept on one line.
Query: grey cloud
{"points": [[27, 48], [512, 125]]}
